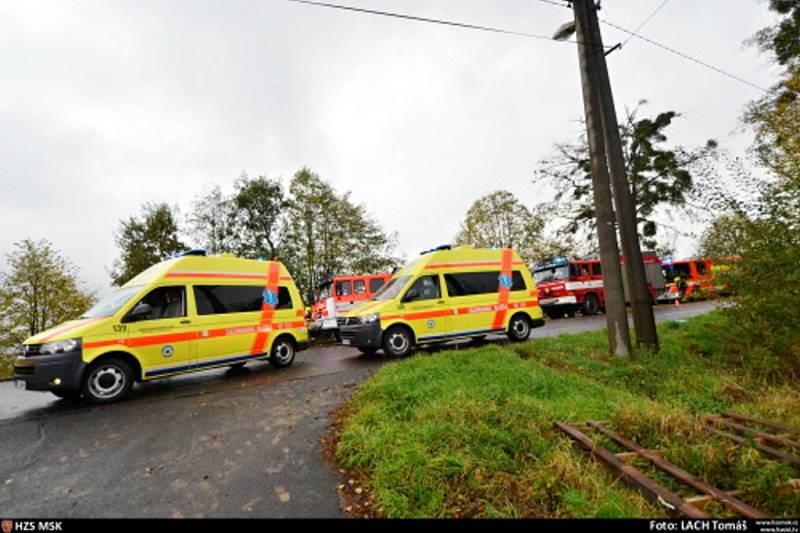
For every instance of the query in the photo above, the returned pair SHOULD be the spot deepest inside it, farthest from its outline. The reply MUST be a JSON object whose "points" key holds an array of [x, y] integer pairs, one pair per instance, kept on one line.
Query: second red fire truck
{"points": [[567, 286], [338, 294]]}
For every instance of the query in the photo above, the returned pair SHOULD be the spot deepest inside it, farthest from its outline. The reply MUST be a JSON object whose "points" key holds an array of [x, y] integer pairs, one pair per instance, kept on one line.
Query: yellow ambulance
{"points": [[447, 293], [186, 314]]}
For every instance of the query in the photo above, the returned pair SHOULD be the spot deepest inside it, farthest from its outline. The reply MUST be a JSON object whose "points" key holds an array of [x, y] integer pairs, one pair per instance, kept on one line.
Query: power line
{"points": [[428, 20], [684, 56], [648, 19]]}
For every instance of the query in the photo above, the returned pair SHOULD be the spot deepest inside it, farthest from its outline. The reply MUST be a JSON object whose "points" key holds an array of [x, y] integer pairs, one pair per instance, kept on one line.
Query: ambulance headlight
{"points": [[70, 345], [369, 319]]}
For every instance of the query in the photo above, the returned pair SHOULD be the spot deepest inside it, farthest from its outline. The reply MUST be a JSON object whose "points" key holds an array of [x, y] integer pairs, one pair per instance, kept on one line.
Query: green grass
{"points": [[470, 433], [6, 367]]}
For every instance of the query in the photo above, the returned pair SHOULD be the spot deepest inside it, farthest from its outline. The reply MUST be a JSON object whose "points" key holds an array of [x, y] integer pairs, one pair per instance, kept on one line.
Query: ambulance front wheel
{"points": [[107, 381], [398, 341], [282, 352], [519, 327]]}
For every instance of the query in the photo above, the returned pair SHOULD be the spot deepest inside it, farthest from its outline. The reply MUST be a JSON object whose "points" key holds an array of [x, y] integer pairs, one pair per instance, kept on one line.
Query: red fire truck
{"points": [[566, 286], [338, 294], [698, 277]]}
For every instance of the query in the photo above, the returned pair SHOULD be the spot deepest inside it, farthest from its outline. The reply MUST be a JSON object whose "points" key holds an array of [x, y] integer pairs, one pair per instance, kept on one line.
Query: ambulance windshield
{"points": [[112, 303], [391, 289]]}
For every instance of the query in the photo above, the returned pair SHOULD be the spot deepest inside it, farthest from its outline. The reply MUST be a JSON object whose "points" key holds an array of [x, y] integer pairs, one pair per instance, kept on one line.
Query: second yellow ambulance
{"points": [[447, 293]]}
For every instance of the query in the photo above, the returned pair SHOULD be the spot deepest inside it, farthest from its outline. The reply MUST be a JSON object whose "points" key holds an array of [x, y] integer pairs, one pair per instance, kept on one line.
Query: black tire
{"points": [[107, 381], [368, 351], [591, 305], [554, 314], [282, 353], [519, 327], [67, 394], [398, 341]]}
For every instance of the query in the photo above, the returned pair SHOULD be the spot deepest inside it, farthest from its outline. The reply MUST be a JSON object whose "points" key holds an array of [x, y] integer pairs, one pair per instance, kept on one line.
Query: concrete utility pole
{"points": [[619, 342], [644, 322]]}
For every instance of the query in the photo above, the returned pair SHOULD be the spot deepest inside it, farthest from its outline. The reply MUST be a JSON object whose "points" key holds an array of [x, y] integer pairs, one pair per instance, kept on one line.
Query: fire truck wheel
{"points": [[591, 306], [398, 341], [519, 327]]}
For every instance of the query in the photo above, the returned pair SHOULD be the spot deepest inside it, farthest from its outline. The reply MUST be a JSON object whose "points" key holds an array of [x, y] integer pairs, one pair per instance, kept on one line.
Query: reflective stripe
{"points": [[464, 310], [460, 334], [503, 290], [267, 310], [60, 331], [457, 264], [204, 364], [150, 340], [221, 275]]}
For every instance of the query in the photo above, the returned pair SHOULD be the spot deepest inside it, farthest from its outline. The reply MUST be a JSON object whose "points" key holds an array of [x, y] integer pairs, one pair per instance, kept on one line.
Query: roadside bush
{"points": [[764, 322]]}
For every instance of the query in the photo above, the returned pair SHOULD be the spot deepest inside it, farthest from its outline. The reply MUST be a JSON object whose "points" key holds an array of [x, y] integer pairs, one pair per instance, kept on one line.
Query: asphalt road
{"points": [[219, 443]]}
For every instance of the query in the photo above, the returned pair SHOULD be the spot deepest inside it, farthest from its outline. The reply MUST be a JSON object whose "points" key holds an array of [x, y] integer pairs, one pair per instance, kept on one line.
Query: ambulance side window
{"points": [[163, 302], [223, 299], [425, 288], [284, 299]]}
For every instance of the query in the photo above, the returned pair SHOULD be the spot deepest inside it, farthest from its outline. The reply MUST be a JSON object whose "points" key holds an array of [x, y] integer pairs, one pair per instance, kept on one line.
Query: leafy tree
{"points": [[38, 290], [659, 176], [146, 240], [725, 236], [211, 221], [762, 325], [499, 219], [258, 205], [324, 232]]}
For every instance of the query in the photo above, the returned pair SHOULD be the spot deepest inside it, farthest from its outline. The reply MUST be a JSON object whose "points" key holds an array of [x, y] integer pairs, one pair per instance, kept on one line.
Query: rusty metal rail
{"points": [[651, 490], [761, 436], [682, 475]]}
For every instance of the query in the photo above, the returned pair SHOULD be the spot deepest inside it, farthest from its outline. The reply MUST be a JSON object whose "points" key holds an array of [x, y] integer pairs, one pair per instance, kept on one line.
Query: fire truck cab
{"points": [[566, 286], [339, 294]]}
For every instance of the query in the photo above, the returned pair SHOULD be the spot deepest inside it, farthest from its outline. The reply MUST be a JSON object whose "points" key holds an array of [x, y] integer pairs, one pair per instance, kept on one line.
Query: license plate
{"points": [[346, 342]]}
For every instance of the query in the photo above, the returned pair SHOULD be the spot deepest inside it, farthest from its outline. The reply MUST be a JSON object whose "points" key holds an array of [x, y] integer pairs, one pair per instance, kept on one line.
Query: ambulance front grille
{"points": [[346, 321], [31, 350]]}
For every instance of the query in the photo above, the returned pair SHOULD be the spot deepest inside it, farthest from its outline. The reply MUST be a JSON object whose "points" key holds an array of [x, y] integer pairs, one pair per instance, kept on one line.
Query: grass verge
{"points": [[470, 433], [6, 367]]}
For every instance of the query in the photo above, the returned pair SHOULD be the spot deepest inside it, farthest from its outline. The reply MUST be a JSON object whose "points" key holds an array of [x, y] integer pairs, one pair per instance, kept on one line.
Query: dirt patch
{"points": [[355, 497]]}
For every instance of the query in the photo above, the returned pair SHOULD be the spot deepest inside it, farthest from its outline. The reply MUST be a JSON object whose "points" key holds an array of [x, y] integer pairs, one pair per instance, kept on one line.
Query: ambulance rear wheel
{"points": [[282, 352], [398, 342], [107, 381], [519, 327], [591, 305]]}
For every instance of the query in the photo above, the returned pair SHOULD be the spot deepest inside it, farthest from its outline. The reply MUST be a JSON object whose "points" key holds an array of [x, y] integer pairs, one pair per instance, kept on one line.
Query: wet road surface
{"points": [[220, 443]]}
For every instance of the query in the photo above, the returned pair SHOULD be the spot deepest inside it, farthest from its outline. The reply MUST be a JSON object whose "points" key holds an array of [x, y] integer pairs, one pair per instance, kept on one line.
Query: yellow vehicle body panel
{"points": [[452, 316], [192, 341]]}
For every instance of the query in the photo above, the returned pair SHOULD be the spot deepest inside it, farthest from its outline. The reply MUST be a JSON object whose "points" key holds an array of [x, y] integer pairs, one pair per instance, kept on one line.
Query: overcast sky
{"points": [[107, 104]]}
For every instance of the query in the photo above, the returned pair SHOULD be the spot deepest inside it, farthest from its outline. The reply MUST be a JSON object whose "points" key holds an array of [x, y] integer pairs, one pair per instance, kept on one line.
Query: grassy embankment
{"points": [[6, 367], [470, 432]]}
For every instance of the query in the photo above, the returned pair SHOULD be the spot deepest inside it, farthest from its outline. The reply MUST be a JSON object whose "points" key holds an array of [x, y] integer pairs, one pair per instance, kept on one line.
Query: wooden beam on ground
{"points": [[765, 423], [760, 434], [682, 475], [702, 501], [760, 447], [631, 476]]}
